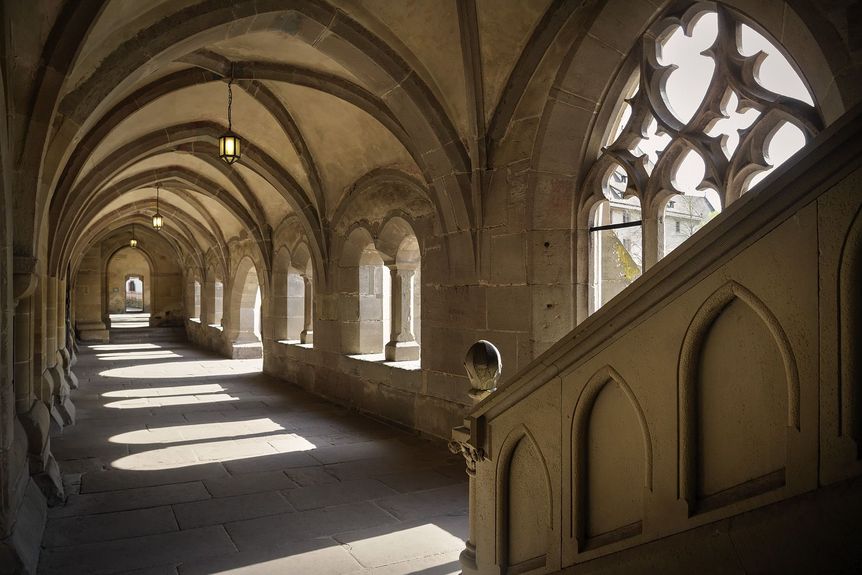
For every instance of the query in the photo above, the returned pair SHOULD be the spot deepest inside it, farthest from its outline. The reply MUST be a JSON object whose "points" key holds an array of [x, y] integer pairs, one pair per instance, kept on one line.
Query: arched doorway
{"points": [[245, 308], [134, 300], [125, 265]]}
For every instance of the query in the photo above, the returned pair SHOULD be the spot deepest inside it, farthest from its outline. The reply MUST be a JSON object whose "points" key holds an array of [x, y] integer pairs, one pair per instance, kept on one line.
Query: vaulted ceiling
{"points": [[324, 93]]}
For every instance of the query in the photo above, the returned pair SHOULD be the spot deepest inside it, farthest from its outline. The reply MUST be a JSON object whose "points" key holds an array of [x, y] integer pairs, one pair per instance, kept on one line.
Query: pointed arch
{"points": [[517, 439], [581, 418], [850, 326], [689, 359]]}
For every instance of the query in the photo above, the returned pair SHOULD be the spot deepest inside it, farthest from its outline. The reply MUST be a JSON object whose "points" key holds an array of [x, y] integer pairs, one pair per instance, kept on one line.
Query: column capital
{"points": [[25, 279]]}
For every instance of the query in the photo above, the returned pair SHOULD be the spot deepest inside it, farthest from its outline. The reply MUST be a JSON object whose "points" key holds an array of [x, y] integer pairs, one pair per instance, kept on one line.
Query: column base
{"points": [[402, 351], [306, 336], [64, 405], [43, 466], [68, 374], [246, 350], [467, 559], [19, 550], [94, 332]]}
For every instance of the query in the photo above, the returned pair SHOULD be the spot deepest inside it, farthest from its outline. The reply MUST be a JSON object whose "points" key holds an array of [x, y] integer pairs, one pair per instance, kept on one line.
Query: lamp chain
{"points": [[229, 102]]}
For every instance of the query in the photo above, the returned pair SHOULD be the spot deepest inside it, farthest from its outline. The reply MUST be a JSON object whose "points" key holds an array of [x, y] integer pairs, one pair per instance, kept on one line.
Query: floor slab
{"points": [[189, 463]]}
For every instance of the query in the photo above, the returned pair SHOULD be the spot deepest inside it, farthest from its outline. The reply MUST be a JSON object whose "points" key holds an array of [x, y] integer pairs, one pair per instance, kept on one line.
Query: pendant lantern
{"points": [[229, 144]]}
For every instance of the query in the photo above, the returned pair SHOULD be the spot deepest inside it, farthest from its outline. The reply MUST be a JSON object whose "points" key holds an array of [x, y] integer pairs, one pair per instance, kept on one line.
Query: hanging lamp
{"points": [[133, 243], [158, 220], [229, 145]]}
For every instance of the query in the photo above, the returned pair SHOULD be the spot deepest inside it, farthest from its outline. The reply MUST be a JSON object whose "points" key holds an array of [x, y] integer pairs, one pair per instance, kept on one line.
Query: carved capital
{"points": [[460, 443], [24, 277]]}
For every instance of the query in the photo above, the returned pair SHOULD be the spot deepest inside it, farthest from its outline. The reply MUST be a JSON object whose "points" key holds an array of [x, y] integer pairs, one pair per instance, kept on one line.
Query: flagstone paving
{"points": [[185, 463]]}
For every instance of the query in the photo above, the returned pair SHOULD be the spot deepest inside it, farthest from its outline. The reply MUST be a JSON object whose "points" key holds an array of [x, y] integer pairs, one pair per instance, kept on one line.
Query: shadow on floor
{"points": [[184, 462]]}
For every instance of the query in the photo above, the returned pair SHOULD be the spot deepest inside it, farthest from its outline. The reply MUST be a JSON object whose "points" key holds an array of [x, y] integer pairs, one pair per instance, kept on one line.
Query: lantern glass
{"points": [[133, 243], [157, 221], [229, 147]]}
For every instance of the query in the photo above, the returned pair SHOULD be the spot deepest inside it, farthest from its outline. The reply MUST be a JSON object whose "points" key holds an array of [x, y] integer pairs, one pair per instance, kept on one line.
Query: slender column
{"points": [[307, 334], [402, 343], [33, 415], [61, 314], [650, 240], [51, 323], [25, 281], [208, 301], [23, 354]]}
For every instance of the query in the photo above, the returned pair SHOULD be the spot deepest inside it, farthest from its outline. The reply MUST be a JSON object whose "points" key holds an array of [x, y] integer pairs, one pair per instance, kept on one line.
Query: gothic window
{"points": [[709, 106]]}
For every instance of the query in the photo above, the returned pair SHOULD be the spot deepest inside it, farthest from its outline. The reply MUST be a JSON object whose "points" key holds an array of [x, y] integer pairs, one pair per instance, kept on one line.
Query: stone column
{"points": [[650, 240], [23, 355], [34, 415], [208, 301], [484, 367], [65, 361], [61, 314], [307, 333], [461, 443], [402, 344], [88, 299], [25, 281], [218, 302], [280, 304], [51, 323], [62, 370], [54, 390]]}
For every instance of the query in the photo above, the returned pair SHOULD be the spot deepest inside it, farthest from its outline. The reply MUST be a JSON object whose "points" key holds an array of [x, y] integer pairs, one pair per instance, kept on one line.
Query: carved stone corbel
{"points": [[460, 443], [24, 277]]}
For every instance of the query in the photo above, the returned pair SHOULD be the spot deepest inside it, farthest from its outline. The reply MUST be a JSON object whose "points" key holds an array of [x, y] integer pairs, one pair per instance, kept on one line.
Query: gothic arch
{"points": [[247, 279], [519, 437], [150, 284], [850, 326], [689, 359], [580, 434]]}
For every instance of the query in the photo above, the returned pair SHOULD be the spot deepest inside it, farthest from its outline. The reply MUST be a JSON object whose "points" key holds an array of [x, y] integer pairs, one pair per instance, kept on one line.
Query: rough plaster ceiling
{"points": [[504, 28], [278, 46], [163, 161], [119, 21], [274, 205], [429, 29], [346, 142]]}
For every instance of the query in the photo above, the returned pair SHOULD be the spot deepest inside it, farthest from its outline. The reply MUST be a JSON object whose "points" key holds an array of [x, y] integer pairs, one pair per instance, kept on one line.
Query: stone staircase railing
{"points": [[724, 383]]}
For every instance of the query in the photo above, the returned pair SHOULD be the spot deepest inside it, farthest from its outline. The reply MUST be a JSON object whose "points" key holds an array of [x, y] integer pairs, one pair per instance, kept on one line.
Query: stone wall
{"points": [[720, 383]]}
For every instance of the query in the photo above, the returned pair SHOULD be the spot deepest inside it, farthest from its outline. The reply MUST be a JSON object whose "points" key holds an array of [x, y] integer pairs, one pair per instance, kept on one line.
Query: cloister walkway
{"points": [[184, 463]]}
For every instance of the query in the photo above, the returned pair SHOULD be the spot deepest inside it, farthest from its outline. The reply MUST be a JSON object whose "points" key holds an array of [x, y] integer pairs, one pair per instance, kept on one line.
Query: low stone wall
{"points": [[206, 336], [392, 393]]}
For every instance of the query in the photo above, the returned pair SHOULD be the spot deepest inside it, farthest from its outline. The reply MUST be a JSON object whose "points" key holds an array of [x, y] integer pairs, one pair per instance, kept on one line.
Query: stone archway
{"points": [[245, 310]]}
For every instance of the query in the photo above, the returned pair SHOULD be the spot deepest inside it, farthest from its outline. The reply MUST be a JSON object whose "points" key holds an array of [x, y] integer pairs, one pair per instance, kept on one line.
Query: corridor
{"points": [[185, 463]]}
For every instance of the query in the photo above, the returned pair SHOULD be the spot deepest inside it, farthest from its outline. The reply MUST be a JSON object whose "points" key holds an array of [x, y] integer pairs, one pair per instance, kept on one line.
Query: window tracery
{"points": [[710, 106]]}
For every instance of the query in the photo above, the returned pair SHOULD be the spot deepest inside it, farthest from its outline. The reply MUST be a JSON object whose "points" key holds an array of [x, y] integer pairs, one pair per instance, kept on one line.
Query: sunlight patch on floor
{"points": [[197, 431], [188, 454], [185, 369], [123, 346], [165, 391], [162, 401], [130, 355]]}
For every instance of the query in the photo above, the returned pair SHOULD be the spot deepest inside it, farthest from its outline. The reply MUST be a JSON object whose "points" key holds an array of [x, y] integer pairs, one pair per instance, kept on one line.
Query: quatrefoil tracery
{"points": [[735, 101]]}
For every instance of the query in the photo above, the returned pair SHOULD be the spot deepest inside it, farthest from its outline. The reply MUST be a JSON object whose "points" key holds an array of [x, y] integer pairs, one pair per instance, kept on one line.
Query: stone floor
{"points": [[186, 463]]}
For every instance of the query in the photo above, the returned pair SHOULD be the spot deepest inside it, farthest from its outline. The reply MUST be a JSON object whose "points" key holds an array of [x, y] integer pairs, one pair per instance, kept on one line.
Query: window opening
{"points": [[713, 106], [134, 294]]}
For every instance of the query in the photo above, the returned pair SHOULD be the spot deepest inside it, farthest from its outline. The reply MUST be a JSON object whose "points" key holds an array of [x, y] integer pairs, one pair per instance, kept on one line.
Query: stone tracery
{"points": [[695, 121]]}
